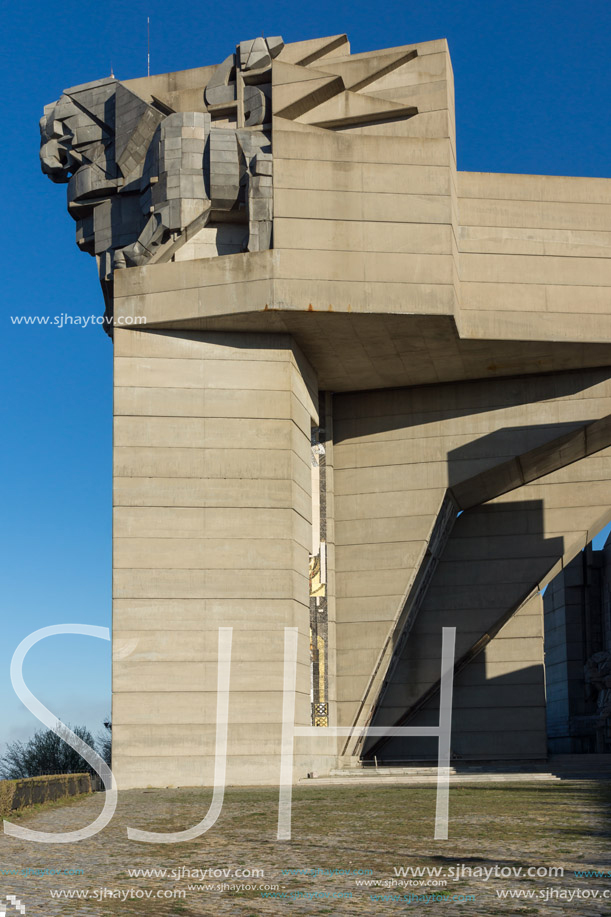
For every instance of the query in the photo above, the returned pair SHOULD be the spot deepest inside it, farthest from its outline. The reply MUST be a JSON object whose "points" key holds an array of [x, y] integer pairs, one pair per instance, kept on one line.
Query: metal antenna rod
{"points": [[148, 46]]}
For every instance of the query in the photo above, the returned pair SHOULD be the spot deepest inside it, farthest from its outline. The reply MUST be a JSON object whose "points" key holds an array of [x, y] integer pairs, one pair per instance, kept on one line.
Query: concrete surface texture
{"points": [[577, 609], [305, 257]]}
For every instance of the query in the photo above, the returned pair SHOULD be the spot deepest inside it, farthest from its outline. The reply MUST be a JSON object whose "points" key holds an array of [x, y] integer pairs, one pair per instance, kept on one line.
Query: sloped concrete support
{"points": [[410, 561]]}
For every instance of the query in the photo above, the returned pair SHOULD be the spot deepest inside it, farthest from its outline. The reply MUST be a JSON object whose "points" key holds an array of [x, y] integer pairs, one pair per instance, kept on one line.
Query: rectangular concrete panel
{"points": [[224, 563]]}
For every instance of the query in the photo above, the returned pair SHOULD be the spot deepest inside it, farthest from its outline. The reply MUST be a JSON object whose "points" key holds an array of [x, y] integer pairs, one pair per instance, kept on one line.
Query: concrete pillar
{"points": [[212, 527]]}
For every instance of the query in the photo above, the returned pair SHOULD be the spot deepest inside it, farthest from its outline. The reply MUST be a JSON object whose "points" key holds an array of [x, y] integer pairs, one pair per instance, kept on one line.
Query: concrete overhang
{"points": [[382, 335]]}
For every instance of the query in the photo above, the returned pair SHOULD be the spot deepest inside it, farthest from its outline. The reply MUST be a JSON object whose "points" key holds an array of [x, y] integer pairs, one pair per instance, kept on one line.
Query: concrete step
{"points": [[411, 778], [385, 771], [556, 768], [503, 767]]}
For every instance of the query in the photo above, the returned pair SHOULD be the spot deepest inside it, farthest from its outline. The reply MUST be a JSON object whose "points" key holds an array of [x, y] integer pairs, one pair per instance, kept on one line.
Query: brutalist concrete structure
{"points": [[577, 616], [357, 392]]}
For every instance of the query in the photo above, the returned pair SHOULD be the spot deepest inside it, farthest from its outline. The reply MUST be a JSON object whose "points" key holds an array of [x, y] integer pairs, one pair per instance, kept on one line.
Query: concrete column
{"points": [[212, 527]]}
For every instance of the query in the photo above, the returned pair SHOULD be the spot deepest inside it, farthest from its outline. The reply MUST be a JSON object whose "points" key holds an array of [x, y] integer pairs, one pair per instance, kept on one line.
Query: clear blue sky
{"points": [[532, 90]]}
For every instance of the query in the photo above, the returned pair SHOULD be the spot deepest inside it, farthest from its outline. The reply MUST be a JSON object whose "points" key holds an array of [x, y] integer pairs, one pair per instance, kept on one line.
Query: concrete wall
{"points": [[397, 455], [212, 527], [534, 256], [577, 626], [565, 655], [367, 212]]}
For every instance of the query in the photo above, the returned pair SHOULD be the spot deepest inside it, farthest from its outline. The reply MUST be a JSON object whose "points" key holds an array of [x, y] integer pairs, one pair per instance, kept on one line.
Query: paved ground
{"points": [[341, 831]]}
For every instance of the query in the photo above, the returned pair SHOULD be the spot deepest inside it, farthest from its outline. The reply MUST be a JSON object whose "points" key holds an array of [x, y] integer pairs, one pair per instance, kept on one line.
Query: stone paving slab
{"points": [[342, 836]]}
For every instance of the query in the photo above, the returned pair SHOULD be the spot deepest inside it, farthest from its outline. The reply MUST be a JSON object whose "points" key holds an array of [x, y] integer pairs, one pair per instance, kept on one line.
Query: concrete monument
{"points": [[368, 398]]}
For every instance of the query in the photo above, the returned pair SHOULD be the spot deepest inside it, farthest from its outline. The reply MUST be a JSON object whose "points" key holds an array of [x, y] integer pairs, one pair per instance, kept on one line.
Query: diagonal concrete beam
{"points": [[523, 469]]}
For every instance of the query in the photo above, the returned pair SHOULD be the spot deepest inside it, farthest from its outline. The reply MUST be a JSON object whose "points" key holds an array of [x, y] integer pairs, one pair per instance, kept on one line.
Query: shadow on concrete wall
{"points": [[494, 559], [378, 411]]}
